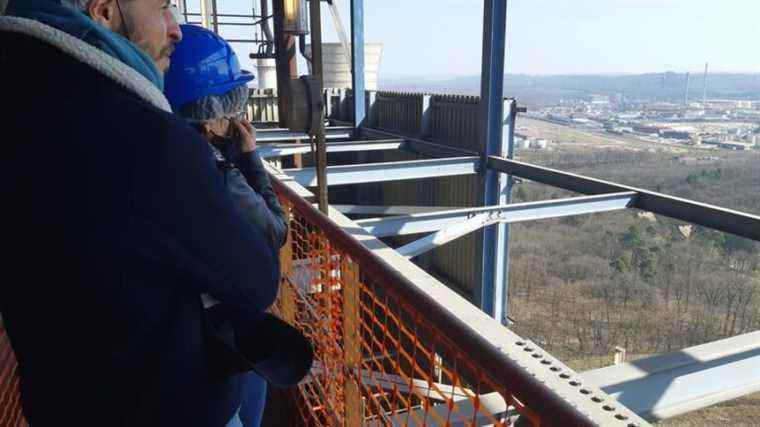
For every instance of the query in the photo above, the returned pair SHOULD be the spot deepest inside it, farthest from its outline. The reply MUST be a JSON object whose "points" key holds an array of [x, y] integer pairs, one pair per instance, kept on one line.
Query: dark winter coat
{"points": [[115, 220], [251, 189]]}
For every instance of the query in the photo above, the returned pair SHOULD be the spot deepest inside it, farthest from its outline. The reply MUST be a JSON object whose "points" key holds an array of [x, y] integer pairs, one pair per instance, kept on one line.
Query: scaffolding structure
{"points": [[394, 345]]}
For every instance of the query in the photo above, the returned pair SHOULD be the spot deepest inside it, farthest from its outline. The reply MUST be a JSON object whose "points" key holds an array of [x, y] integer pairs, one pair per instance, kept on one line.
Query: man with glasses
{"points": [[117, 220]]}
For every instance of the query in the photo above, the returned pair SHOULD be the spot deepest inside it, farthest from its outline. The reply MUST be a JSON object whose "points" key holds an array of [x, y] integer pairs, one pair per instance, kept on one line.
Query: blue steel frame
{"points": [[497, 164], [389, 171], [498, 167], [493, 288], [357, 62], [278, 150], [433, 221]]}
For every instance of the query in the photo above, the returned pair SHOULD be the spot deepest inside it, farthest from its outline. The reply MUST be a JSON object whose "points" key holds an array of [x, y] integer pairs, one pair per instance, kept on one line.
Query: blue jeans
{"points": [[253, 400]]}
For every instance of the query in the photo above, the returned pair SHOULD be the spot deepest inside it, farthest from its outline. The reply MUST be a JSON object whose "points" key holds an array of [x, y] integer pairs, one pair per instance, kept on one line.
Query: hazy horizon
{"points": [[695, 74], [551, 37]]}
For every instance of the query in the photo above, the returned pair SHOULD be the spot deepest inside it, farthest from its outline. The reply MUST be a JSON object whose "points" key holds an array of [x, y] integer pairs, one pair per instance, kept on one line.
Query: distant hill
{"points": [[666, 86]]}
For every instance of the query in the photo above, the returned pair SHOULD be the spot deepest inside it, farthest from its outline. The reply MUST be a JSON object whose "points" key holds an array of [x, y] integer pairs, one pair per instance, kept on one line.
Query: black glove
{"points": [[265, 344]]}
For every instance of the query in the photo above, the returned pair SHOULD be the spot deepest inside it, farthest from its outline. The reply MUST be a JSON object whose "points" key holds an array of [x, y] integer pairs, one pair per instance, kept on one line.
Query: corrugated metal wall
{"points": [[454, 122], [262, 106], [399, 112]]}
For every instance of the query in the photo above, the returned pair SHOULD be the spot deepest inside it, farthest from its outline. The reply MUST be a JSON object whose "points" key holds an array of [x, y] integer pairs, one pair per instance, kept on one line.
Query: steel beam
{"points": [[342, 104], [389, 171], [538, 380], [434, 221], [371, 118], [445, 235], [318, 135], [668, 385], [492, 286], [420, 146], [341, 32], [357, 61], [285, 61], [462, 413], [722, 219], [388, 210], [278, 150], [279, 135], [501, 243]]}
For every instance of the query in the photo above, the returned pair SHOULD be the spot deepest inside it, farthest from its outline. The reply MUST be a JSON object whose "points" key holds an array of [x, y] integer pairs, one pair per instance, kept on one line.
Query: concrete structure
{"points": [[672, 384]]}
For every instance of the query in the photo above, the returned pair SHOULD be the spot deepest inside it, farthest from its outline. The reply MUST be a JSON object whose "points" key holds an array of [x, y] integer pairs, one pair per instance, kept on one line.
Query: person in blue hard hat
{"points": [[120, 221], [206, 86]]}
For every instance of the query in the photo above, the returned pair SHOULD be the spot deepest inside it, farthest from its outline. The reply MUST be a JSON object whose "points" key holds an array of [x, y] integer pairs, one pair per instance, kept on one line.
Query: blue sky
{"points": [[443, 37]]}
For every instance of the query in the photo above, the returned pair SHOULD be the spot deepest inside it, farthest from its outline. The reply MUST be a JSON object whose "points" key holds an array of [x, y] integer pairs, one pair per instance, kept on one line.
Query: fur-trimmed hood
{"points": [[85, 53]]}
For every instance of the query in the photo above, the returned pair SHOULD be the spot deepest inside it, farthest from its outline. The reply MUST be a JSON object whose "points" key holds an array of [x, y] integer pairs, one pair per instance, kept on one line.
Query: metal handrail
{"points": [[534, 394], [727, 220]]}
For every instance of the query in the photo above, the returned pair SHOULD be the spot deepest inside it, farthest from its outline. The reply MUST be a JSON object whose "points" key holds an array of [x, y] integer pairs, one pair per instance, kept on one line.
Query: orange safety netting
{"points": [[379, 360], [10, 398]]}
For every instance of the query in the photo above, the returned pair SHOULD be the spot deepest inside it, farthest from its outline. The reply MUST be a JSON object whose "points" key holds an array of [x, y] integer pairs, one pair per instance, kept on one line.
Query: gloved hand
{"points": [[237, 343], [279, 352], [244, 134]]}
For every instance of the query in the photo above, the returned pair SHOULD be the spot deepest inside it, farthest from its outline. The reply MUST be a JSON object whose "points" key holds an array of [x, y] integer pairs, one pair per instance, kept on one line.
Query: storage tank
{"points": [[336, 68], [266, 74]]}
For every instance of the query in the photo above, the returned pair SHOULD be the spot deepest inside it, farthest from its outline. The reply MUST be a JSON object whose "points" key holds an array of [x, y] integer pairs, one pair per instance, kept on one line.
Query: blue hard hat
{"points": [[202, 64]]}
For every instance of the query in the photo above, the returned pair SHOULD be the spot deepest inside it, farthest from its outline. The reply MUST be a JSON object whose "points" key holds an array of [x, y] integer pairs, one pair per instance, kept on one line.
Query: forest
{"points": [[581, 285]]}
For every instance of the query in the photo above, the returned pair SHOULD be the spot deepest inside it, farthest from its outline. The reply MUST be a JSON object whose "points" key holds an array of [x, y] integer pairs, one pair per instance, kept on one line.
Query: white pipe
{"points": [[341, 31]]}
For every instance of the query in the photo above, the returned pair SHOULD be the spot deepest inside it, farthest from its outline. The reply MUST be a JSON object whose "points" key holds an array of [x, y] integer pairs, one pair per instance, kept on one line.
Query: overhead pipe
{"points": [[268, 35], [319, 135], [340, 30], [285, 61]]}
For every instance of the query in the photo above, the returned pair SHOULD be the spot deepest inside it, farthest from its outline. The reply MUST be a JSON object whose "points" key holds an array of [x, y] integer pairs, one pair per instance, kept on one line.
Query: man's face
{"points": [[150, 24]]}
